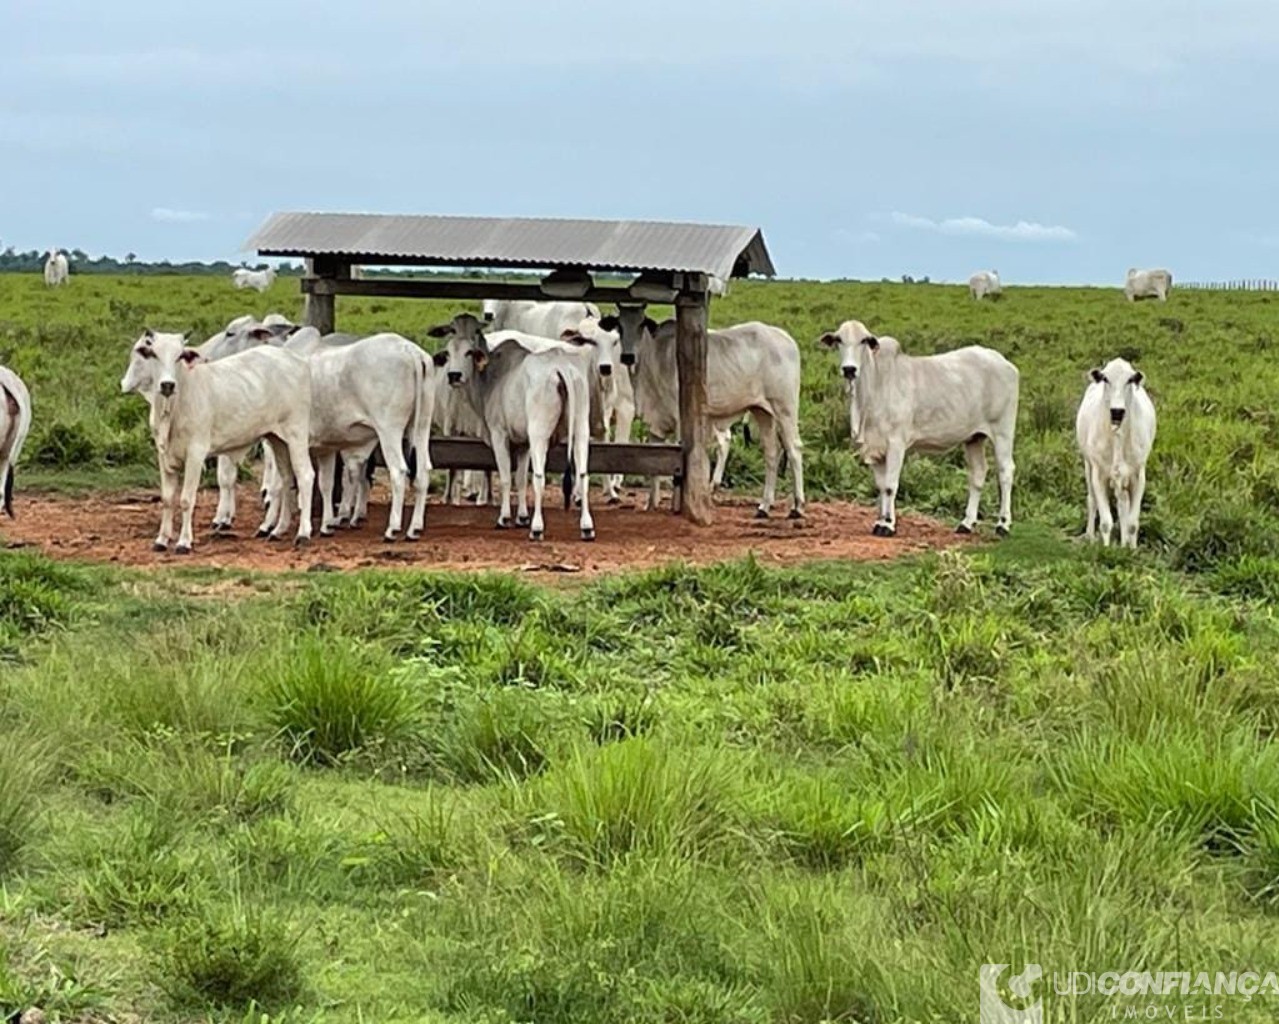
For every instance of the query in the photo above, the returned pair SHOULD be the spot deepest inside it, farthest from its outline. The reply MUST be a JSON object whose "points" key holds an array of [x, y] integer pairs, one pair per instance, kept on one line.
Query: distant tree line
{"points": [[32, 262]]}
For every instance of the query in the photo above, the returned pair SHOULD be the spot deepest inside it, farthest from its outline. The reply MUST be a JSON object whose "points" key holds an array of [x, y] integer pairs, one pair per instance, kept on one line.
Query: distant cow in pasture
{"points": [[1115, 429], [900, 403], [201, 408], [1147, 284], [985, 283], [260, 280], [15, 423], [56, 270]]}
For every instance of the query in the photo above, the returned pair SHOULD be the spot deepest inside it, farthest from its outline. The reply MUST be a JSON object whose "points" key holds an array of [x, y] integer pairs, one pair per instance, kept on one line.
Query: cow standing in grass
{"points": [[901, 403], [1115, 429], [1147, 284]]}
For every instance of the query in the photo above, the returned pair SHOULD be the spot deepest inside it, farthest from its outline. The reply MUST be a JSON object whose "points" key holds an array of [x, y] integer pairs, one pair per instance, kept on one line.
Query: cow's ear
{"points": [[149, 334], [871, 342], [1137, 378], [440, 358], [261, 333], [190, 356], [479, 357], [651, 325], [293, 329], [568, 334], [1097, 376], [440, 331], [829, 340], [609, 323]]}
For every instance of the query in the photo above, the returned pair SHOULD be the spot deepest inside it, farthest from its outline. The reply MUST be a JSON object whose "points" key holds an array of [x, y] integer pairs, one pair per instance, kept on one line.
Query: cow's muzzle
{"points": [[628, 358], [850, 372], [1117, 416], [606, 370], [167, 387], [455, 378]]}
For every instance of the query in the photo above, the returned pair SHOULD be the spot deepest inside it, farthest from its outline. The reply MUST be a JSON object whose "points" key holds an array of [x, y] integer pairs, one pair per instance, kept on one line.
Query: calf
{"points": [[900, 403], [983, 283], [260, 280], [15, 423], [750, 368], [202, 408], [1115, 429], [56, 270], [526, 401]]}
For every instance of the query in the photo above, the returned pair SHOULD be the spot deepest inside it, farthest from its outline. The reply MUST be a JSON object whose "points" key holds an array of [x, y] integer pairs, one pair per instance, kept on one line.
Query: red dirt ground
{"points": [[119, 528]]}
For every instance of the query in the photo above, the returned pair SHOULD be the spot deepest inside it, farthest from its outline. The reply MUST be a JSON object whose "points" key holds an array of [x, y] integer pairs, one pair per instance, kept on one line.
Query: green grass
{"points": [[725, 794]]}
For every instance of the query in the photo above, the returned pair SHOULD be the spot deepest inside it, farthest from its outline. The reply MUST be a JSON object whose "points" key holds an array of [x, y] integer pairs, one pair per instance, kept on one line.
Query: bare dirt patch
{"points": [[119, 528]]}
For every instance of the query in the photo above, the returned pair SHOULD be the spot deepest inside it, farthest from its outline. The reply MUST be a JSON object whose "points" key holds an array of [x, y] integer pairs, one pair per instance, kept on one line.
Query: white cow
{"points": [[983, 283], [616, 391], [374, 391], [203, 408], [1115, 429], [750, 368], [15, 422], [242, 277], [454, 417], [542, 319], [1147, 284], [901, 403], [56, 270], [526, 401]]}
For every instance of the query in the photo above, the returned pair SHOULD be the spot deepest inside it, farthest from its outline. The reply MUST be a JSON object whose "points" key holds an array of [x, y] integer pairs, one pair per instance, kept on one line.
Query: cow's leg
{"points": [[168, 494], [398, 471], [625, 419], [228, 474], [268, 473], [1004, 465], [521, 485], [537, 455], [294, 452], [772, 456], [502, 456], [1090, 528], [580, 446], [892, 474], [975, 456], [789, 428], [326, 465], [723, 441], [1105, 521], [357, 479], [195, 456], [421, 484], [878, 471], [1134, 510]]}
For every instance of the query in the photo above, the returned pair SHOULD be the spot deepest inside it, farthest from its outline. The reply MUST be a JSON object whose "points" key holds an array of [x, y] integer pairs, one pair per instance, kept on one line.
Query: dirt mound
{"points": [[119, 528]]}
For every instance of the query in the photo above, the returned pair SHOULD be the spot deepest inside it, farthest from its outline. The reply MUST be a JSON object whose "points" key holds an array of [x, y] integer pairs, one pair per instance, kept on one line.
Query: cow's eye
{"points": [[146, 353]]}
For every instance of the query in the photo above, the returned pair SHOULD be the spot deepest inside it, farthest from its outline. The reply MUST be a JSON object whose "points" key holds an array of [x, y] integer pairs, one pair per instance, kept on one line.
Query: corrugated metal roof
{"points": [[621, 245]]}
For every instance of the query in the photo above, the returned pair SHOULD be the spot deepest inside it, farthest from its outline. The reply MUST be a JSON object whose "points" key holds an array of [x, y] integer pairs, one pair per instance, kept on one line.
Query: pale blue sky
{"points": [[1054, 140]]}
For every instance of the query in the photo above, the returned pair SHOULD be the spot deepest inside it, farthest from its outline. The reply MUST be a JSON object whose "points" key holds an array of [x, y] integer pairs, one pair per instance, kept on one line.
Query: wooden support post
{"points": [[319, 308], [693, 493]]}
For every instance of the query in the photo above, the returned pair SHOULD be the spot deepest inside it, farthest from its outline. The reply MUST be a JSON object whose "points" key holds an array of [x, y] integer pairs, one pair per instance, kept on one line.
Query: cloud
{"points": [[165, 215], [1022, 231]]}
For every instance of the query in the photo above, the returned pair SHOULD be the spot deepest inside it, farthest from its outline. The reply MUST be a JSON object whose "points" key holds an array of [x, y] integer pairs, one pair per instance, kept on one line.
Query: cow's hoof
{"points": [[182, 549], [963, 528], [343, 522], [794, 514], [522, 520], [883, 530], [391, 536], [535, 535], [1002, 530], [327, 531], [413, 535], [218, 527], [263, 533], [761, 513], [159, 546], [274, 538], [502, 524], [301, 542], [613, 500], [588, 534]]}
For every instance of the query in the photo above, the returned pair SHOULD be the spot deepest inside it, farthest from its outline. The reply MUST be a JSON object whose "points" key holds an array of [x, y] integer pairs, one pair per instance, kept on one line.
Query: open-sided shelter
{"points": [[673, 263]]}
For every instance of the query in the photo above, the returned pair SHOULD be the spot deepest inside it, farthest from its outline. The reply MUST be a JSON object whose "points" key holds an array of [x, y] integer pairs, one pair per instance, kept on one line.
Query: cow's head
{"points": [[488, 311], [606, 345], [854, 342], [157, 362], [630, 323], [466, 352], [1118, 379]]}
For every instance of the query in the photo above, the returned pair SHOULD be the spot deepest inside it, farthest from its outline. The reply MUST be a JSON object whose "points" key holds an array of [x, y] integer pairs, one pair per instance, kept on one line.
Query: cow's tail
{"points": [[569, 398], [423, 413], [8, 448]]}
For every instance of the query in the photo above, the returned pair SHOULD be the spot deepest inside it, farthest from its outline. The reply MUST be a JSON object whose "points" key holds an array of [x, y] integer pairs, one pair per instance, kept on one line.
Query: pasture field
{"points": [[732, 793]]}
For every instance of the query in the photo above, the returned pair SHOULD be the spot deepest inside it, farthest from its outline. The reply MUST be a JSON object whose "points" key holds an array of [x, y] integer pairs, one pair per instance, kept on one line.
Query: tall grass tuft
{"points": [[329, 698], [25, 767]]}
